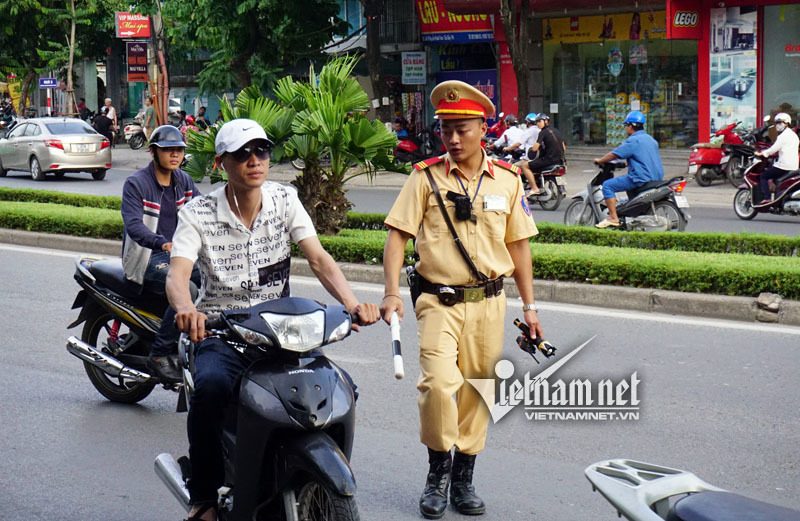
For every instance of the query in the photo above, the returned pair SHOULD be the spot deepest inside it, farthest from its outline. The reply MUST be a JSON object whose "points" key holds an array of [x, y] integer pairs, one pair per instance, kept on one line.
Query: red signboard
{"points": [[132, 25], [137, 61], [438, 25], [684, 20]]}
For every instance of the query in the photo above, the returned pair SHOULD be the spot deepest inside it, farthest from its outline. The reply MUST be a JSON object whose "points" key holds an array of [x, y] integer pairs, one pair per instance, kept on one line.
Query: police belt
{"points": [[488, 289]]}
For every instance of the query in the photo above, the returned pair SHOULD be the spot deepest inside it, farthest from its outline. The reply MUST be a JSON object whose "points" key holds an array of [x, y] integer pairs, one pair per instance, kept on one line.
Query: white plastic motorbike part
{"points": [[394, 325], [640, 491]]}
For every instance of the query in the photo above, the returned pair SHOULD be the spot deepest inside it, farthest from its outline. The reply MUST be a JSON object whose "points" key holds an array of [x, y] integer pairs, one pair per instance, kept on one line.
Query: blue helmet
{"points": [[635, 117], [531, 118]]}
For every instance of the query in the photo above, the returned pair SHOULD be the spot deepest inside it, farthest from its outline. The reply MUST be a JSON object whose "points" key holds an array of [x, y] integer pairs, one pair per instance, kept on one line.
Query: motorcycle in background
{"points": [[785, 201], [642, 491], [654, 206], [426, 144], [553, 185], [500, 126], [709, 161], [134, 132], [742, 155]]}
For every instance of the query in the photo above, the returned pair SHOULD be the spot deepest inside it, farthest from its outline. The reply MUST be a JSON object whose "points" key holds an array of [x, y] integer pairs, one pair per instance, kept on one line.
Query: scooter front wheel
{"points": [[317, 501], [579, 214], [743, 205]]}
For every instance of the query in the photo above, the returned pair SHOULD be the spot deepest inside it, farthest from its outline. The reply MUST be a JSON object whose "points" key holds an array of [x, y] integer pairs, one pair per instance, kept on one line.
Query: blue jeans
{"points": [[217, 370], [614, 185], [155, 279]]}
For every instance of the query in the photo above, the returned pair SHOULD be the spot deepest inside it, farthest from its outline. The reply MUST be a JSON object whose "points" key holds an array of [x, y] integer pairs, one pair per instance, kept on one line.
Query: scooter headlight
{"points": [[298, 333], [251, 337]]}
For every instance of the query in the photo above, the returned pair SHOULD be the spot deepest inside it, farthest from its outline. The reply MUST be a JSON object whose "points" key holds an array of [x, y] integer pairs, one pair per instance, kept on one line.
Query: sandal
{"points": [[202, 510], [605, 223]]}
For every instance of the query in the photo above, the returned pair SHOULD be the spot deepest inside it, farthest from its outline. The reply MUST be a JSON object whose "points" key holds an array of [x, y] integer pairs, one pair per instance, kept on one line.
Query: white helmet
{"points": [[783, 117]]}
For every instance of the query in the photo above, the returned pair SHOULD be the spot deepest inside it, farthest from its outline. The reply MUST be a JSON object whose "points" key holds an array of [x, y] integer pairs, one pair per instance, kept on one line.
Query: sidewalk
{"points": [[695, 305], [580, 170]]}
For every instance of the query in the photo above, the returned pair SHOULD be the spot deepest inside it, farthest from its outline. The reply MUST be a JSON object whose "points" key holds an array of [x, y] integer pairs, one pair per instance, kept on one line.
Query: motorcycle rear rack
{"points": [[640, 491]]}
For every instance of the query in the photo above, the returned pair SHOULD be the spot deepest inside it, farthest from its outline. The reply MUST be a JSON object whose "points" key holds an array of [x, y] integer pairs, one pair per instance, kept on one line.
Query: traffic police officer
{"points": [[461, 339]]}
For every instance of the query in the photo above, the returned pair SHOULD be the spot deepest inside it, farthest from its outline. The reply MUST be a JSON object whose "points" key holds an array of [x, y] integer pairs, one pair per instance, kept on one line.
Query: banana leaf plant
{"points": [[321, 122]]}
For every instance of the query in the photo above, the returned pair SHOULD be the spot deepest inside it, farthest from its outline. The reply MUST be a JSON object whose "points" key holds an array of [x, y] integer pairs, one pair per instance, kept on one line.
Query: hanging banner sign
{"points": [[643, 25], [438, 25], [132, 25], [137, 61]]}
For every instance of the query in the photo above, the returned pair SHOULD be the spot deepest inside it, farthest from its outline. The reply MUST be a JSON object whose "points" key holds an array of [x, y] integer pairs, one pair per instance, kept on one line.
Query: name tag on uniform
{"points": [[493, 202]]}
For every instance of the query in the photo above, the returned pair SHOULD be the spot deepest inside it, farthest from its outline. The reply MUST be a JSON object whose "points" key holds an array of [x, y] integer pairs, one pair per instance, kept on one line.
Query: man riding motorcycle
{"points": [[644, 165], [785, 146], [511, 136], [550, 140]]}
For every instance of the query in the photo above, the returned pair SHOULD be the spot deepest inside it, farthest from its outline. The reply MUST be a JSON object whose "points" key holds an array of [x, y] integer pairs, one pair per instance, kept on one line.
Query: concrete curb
{"points": [[614, 297]]}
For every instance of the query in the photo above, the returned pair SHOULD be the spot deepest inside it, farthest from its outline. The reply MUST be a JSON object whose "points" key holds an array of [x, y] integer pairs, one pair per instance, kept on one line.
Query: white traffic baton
{"points": [[394, 325]]}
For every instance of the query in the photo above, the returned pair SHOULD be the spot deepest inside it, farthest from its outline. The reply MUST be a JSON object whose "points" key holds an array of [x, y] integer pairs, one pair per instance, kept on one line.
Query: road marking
{"points": [[607, 313], [41, 251]]}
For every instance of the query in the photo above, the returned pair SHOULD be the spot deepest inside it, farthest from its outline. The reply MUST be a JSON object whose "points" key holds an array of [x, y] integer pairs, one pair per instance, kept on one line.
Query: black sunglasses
{"points": [[261, 151]]}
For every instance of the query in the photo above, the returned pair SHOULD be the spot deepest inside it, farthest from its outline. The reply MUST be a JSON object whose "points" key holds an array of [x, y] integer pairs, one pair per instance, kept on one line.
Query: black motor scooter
{"points": [[654, 206], [288, 435]]}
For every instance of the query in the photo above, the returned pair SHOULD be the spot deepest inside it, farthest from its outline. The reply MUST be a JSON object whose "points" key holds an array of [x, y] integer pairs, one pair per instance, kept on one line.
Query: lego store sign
{"points": [[438, 25], [683, 20]]}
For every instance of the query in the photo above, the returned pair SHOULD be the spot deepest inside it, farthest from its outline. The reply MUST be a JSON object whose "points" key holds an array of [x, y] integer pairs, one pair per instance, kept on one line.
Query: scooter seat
{"points": [[552, 169], [109, 273], [725, 506], [648, 186], [786, 176]]}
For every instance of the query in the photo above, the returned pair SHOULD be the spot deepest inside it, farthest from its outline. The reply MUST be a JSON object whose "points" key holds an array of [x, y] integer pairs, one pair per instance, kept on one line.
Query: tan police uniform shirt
{"points": [[502, 217]]}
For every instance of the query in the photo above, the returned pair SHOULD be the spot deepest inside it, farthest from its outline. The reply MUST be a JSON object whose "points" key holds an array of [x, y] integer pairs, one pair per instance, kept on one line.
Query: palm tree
{"points": [[320, 122]]}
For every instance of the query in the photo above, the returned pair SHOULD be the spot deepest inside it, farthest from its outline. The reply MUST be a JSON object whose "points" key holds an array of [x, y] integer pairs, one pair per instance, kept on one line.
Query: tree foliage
{"points": [[321, 122], [251, 41]]}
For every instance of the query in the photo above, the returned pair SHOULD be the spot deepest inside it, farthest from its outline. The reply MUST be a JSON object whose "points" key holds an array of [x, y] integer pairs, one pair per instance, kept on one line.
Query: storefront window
{"points": [[594, 85], [782, 60]]}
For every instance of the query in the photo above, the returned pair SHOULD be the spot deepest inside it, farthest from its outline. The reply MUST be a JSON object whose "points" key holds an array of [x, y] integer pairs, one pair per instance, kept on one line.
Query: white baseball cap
{"points": [[236, 133]]}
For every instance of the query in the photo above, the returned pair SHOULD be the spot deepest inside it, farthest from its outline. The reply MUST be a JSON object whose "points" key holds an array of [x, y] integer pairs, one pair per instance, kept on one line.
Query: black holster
{"points": [[414, 283]]}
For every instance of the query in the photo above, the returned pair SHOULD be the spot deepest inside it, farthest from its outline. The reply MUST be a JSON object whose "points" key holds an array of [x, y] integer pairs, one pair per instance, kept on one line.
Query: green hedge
{"points": [[726, 274], [49, 196], [553, 233], [56, 218], [550, 233]]}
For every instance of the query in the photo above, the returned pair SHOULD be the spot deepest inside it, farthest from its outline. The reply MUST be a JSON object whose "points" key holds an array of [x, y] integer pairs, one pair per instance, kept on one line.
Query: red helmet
{"points": [[190, 120]]}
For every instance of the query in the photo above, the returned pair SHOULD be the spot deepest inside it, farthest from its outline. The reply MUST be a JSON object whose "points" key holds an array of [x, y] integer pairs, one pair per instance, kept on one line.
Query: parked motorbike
{"points": [[134, 132], [742, 155], [709, 161], [120, 324], [785, 201], [642, 491], [500, 126], [654, 206], [424, 145], [288, 437]]}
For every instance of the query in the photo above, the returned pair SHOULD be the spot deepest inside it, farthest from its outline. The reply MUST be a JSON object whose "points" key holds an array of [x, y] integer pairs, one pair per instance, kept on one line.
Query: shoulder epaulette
{"points": [[422, 165], [506, 165]]}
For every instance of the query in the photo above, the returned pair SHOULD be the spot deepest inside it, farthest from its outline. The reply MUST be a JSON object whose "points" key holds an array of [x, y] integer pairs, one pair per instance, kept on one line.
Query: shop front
{"points": [[599, 68]]}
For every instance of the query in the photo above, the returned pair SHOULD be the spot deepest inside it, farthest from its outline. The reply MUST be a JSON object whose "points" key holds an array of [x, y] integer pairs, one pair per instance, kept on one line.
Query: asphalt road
{"points": [[712, 207], [718, 398]]}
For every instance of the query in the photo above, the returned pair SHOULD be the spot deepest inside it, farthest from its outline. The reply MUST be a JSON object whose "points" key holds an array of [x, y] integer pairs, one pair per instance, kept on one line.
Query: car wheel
{"points": [[36, 170], [99, 175], [3, 171]]}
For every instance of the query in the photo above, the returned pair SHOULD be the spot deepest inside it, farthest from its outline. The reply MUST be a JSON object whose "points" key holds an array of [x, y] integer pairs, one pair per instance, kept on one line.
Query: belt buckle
{"points": [[474, 294]]}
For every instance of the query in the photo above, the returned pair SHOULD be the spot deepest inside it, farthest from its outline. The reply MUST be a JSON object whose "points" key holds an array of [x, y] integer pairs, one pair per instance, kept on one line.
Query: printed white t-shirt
{"points": [[239, 267]]}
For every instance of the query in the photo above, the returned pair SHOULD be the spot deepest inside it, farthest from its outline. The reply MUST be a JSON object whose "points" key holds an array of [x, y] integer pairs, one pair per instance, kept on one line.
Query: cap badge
{"points": [[453, 96]]}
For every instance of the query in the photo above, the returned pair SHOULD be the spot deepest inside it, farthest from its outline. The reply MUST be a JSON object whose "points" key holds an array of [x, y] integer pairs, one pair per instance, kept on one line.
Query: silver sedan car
{"points": [[55, 145]]}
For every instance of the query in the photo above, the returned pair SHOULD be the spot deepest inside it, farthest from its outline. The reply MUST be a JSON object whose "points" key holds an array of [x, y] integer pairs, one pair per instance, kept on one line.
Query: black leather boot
{"points": [[433, 502], [462, 493]]}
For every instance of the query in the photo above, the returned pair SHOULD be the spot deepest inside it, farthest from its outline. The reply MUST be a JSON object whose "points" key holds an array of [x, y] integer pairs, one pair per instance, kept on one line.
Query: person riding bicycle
{"points": [[554, 148], [151, 200], [785, 146], [239, 235], [644, 165]]}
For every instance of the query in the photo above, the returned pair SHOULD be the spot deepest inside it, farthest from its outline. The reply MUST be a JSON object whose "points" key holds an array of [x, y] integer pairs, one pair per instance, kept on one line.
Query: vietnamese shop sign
{"points": [[132, 25], [137, 61], [438, 25], [414, 72]]}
